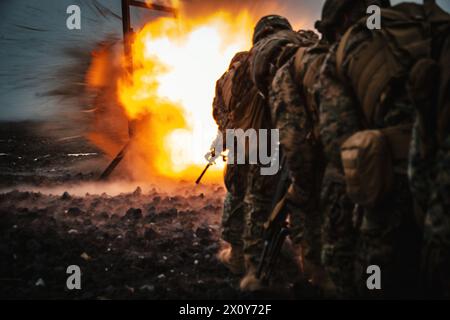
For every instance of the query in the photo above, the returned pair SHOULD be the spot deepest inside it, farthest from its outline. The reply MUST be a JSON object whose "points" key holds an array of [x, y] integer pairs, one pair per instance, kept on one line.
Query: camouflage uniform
{"points": [[295, 114], [235, 176], [359, 92], [429, 173], [385, 231], [338, 120], [274, 43], [430, 182], [248, 203]]}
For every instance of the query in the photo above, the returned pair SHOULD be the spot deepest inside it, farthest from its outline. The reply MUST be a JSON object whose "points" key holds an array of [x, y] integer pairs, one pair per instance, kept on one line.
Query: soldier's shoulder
{"points": [[353, 38]]}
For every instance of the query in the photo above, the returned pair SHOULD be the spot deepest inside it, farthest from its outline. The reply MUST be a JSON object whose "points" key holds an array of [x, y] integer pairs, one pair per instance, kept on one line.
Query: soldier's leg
{"points": [[258, 202], [306, 224], [233, 219], [339, 235], [436, 253], [390, 239], [305, 163]]}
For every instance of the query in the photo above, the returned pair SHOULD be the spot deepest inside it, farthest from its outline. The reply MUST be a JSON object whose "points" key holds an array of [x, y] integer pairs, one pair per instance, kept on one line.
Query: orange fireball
{"points": [[176, 63]]}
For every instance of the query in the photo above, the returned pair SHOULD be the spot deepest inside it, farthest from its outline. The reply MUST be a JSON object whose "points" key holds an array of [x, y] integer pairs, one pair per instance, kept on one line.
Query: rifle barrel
{"points": [[203, 173]]}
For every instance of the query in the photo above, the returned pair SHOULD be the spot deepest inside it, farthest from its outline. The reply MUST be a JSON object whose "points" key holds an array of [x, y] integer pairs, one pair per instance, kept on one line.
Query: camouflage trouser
{"points": [[258, 200], [390, 238], [436, 249], [306, 222], [339, 234], [233, 217]]}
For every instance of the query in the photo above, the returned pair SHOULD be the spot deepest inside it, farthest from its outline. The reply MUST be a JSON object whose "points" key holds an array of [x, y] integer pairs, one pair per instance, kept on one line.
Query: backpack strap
{"points": [[298, 63], [341, 51]]}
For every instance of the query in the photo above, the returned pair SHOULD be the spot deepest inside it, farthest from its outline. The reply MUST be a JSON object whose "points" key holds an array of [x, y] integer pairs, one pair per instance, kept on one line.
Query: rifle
{"points": [[212, 155], [276, 228]]}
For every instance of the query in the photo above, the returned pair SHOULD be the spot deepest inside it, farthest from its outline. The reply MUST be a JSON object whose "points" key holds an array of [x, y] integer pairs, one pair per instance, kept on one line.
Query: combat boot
{"points": [[232, 258], [250, 283]]}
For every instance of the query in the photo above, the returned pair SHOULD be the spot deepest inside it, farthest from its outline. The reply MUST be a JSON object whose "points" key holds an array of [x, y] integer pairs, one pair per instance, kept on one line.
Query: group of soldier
{"points": [[363, 120]]}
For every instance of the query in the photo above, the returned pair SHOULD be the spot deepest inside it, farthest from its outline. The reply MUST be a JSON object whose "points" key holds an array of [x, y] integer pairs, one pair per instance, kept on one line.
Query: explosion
{"points": [[167, 95]]}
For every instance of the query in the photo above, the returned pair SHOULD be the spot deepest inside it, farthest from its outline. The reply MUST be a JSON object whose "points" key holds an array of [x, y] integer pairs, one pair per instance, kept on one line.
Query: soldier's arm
{"points": [[339, 117]]}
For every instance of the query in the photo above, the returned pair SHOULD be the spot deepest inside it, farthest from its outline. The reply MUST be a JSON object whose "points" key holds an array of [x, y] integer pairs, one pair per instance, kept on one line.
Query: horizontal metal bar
{"points": [[156, 7]]}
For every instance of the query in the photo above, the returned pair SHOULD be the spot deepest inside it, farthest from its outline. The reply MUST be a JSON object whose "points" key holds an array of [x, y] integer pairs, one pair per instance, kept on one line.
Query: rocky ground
{"points": [[130, 242]]}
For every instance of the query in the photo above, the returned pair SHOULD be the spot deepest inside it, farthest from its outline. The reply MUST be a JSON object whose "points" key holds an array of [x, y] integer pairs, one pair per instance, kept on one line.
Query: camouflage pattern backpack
{"points": [[409, 34]]}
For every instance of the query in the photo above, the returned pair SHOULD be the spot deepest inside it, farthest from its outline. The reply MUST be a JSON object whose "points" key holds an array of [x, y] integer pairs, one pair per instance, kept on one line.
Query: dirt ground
{"points": [[130, 241]]}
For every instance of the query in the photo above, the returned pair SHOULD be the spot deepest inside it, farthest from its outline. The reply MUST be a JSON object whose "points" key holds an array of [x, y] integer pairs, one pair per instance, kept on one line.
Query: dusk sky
{"points": [[33, 35]]}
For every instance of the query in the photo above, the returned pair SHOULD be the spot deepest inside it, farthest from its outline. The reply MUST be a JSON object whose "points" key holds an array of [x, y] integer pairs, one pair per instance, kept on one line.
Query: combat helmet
{"points": [[269, 24], [332, 11]]}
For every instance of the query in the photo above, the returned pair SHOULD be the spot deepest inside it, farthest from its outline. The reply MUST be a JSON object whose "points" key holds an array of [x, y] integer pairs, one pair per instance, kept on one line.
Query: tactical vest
{"points": [[389, 54]]}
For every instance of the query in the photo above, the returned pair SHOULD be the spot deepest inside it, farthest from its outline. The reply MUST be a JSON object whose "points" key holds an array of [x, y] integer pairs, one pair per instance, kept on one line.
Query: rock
{"points": [[147, 287], [130, 289], [150, 234], [137, 192], [74, 211], [85, 256], [40, 283], [66, 196], [151, 212], [134, 213], [110, 289], [104, 215], [203, 232], [210, 207], [131, 234]]}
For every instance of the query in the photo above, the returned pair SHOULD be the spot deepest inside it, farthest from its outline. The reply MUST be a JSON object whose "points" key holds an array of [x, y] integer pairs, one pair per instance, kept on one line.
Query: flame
{"points": [[169, 94]]}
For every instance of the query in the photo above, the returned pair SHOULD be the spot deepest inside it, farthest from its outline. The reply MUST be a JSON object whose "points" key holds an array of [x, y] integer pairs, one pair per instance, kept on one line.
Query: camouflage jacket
{"points": [[295, 113]]}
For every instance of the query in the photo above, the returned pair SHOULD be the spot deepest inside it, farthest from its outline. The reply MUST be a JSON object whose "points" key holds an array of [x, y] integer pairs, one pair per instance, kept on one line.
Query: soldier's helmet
{"points": [[332, 11], [269, 24]]}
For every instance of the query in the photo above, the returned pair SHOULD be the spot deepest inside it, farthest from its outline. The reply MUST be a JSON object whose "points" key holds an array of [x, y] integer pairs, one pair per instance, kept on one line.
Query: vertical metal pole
{"points": [[127, 33]]}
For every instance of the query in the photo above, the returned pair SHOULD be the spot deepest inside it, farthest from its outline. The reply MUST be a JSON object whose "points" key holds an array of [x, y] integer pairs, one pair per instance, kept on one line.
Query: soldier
{"points": [[366, 117], [237, 105], [274, 42], [235, 176], [429, 161], [295, 113]]}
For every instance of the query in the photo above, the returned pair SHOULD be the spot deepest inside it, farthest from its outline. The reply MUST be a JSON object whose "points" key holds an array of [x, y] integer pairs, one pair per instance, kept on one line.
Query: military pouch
{"points": [[368, 167]]}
